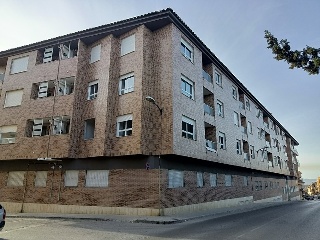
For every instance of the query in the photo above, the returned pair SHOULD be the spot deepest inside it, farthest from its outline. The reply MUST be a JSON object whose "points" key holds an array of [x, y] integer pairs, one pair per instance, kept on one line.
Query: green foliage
{"points": [[308, 59]]}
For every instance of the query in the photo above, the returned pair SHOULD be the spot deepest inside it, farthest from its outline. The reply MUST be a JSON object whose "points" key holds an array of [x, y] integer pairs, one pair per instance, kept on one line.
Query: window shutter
{"points": [[95, 53], [128, 45], [13, 98], [41, 179], [124, 118], [37, 127], [43, 89], [47, 55], [19, 65]]}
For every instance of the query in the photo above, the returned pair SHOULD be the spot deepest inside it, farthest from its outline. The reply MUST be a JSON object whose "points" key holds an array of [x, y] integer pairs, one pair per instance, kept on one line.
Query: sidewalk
{"points": [[219, 212]]}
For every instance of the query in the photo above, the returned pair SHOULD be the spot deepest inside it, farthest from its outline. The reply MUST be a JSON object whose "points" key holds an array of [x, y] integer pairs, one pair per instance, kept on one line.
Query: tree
{"points": [[308, 59]]}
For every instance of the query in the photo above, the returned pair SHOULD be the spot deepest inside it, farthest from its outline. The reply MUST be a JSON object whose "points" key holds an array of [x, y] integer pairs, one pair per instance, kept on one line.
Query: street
{"points": [[296, 220]]}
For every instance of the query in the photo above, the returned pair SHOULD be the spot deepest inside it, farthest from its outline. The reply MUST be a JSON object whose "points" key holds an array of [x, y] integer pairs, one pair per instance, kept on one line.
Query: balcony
{"points": [[246, 156], [207, 76], [266, 124], [244, 130], [268, 144], [208, 110], [241, 105], [211, 146], [294, 150]]}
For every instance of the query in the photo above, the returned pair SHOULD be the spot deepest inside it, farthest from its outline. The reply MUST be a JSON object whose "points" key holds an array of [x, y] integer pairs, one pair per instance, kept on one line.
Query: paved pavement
{"points": [[219, 212]]}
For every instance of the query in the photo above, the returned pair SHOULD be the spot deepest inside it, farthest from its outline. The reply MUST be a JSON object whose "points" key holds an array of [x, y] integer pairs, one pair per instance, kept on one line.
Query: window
{"points": [[228, 180], [234, 92], [245, 180], [187, 87], [247, 103], [218, 78], [238, 147], [258, 112], [200, 182], [222, 140], [65, 86], [124, 126], [41, 179], [61, 125], [188, 128], [126, 84], [97, 178], [252, 154], [128, 45], [71, 178], [95, 53], [187, 50], [236, 118], [213, 179], [8, 134], [250, 127], [175, 179], [13, 98], [89, 127], [15, 179], [19, 65], [220, 108], [93, 90]]}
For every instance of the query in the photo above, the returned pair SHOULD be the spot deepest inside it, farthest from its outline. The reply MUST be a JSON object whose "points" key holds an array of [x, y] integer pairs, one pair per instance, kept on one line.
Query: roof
{"points": [[153, 21]]}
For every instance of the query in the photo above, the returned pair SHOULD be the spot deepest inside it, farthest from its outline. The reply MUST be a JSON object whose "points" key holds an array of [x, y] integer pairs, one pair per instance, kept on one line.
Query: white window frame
{"points": [[220, 108], [95, 53], [252, 153], [236, 119], [13, 98], [213, 179], [250, 127], [238, 147], [228, 180], [8, 134], [175, 179], [218, 78], [222, 140], [127, 121], [71, 178], [93, 89], [41, 179], [97, 178], [128, 45], [234, 92], [89, 129], [126, 84], [200, 180], [19, 65], [185, 132], [187, 82], [186, 48]]}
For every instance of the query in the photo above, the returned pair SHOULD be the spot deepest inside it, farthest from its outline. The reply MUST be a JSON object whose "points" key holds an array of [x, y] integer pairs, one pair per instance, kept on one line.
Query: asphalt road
{"points": [[297, 220]]}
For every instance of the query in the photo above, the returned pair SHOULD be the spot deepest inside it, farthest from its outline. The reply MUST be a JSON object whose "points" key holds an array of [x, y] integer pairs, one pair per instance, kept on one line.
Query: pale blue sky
{"points": [[232, 29]]}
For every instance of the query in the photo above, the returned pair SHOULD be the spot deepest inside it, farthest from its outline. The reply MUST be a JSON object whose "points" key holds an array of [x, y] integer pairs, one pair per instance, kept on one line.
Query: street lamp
{"points": [[151, 99]]}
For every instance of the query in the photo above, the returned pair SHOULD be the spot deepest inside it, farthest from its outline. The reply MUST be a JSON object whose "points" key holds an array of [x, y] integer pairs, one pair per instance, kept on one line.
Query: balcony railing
{"points": [[207, 76], [208, 110], [294, 150], [244, 130], [1, 77], [266, 124], [268, 144], [246, 156], [241, 105], [211, 146]]}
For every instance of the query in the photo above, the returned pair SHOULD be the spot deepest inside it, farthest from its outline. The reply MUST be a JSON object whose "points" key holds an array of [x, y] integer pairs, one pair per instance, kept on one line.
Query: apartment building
{"points": [[135, 117]]}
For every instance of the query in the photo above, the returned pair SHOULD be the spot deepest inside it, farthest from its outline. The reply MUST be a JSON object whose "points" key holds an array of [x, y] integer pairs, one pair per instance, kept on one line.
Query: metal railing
{"points": [[246, 156], [211, 146], [208, 110], [244, 130], [207, 76]]}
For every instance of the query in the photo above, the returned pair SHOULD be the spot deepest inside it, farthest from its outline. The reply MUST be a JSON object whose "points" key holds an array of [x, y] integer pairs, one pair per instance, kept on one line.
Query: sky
{"points": [[232, 29]]}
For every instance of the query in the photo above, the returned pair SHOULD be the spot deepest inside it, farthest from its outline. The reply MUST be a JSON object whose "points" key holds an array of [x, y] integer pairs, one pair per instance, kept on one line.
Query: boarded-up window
{"points": [[228, 180], [128, 45], [71, 178], [19, 65], [175, 179], [41, 179], [95, 53], [97, 178], [15, 179], [13, 98], [213, 179]]}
